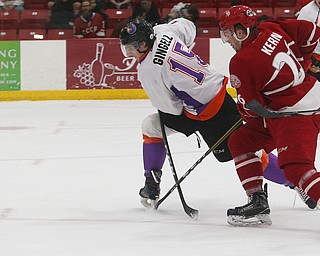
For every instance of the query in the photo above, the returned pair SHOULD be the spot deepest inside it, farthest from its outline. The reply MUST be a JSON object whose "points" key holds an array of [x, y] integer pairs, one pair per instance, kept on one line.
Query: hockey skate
{"points": [[255, 212], [150, 192], [305, 198]]}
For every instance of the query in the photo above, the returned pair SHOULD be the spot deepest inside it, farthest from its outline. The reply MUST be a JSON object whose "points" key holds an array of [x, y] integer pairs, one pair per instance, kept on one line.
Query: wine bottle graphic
{"points": [[97, 67]]}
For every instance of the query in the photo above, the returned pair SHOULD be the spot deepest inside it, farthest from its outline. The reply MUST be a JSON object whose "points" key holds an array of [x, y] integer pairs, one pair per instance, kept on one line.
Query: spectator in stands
{"points": [[63, 13], [91, 5], [147, 10], [11, 5], [182, 10], [311, 12], [89, 24], [118, 4], [237, 2], [299, 5], [69, 5], [98, 6]]}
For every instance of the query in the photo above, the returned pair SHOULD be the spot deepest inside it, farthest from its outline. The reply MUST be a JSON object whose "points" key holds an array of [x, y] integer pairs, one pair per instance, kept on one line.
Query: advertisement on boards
{"points": [[10, 66], [100, 64]]}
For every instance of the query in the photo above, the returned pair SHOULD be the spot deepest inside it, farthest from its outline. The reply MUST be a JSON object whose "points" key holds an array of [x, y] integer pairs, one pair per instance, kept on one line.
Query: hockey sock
{"points": [[274, 173], [154, 155]]}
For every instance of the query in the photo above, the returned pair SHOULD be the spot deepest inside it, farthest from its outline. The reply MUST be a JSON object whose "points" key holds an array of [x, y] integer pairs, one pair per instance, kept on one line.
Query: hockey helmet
{"points": [[135, 32], [238, 14]]}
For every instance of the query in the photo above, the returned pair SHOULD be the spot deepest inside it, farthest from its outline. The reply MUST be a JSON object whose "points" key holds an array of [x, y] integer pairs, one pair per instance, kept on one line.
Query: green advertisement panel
{"points": [[9, 66]]}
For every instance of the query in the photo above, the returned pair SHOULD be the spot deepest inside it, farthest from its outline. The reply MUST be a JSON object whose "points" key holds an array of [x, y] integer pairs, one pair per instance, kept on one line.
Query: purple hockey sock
{"points": [[154, 155], [274, 173]]}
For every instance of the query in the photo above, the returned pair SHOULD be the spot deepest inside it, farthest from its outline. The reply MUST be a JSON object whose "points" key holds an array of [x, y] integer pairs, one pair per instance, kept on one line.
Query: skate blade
{"points": [[241, 221], [149, 203]]}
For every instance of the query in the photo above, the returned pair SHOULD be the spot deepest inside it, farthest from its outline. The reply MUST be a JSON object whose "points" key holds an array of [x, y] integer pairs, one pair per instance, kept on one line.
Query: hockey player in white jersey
{"points": [[190, 96]]}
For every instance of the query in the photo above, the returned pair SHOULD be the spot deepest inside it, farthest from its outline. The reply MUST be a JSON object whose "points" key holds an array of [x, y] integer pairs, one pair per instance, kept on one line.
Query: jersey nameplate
{"points": [[162, 49]]}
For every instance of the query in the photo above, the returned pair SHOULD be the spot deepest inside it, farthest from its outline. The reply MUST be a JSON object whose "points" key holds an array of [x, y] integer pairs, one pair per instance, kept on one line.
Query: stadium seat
{"points": [[109, 32], [9, 34], [32, 34], [9, 19], [258, 3], [207, 17], [35, 5], [283, 13], [284, 3], [222, 10], [169, 3], [34, 19], [223, 4], [165, 11], [209, 32], [268, 11], [57, 34], [116, 16], [204, 3], [199, 3]]}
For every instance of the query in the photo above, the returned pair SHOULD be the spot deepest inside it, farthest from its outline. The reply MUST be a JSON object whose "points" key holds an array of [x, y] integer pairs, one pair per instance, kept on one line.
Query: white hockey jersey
{"points": [[175, 78]]}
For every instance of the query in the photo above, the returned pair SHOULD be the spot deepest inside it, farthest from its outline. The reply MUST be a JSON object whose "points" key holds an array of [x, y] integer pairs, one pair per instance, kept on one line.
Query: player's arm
{"points": [[308, 34]]}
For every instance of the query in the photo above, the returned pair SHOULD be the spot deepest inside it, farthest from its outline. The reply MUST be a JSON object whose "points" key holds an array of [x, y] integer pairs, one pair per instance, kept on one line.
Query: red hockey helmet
{"points": [[238, 14]]}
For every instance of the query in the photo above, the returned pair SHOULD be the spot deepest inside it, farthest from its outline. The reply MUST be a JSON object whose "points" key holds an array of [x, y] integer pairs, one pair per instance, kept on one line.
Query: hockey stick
{"points": [[214, 146], [258, 109], [193, 213]]}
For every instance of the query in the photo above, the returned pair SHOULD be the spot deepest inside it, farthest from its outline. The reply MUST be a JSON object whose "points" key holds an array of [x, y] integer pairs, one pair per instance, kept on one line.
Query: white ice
{"points": [[70, 176]]}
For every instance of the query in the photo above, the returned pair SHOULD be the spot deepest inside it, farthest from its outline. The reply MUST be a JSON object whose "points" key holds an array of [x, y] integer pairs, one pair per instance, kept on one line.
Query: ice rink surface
{"points": [[70, 176]]}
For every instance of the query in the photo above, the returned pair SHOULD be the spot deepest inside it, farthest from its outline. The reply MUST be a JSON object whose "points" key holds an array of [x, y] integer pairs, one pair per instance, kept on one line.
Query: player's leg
{"points": [[154, 151], [297, 150], [243, 144], [274, 173]]}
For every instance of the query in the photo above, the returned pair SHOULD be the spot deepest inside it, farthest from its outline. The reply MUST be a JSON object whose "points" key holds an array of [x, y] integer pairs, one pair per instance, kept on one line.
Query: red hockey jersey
{"points": [[270, 67], [92, 29]]}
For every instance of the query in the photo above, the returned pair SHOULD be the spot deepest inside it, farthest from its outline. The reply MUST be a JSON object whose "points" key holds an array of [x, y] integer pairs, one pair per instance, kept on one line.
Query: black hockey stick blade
{"points": [[258, 109], [193, 213]]}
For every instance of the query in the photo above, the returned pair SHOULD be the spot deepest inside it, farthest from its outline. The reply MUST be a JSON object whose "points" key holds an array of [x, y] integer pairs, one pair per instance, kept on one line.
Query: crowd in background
{"points": [[89, 18]]}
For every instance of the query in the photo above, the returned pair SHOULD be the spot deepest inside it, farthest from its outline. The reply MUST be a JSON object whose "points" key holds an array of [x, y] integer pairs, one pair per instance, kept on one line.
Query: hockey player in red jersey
{"points": [[189, 94], [270, 66], [89, 25]]}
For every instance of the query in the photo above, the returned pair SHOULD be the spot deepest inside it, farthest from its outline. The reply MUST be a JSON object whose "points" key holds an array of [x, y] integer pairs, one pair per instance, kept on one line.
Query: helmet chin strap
{"points": [[241, 40]]}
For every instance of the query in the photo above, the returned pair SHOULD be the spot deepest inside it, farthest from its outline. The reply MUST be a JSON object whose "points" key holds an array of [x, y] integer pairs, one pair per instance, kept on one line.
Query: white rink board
{"points": [[43, 65]]}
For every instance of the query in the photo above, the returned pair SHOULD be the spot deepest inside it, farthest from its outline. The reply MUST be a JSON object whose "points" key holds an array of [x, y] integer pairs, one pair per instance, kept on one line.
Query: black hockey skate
{"points": [[150, 192], [305, 198], [255, 212]]}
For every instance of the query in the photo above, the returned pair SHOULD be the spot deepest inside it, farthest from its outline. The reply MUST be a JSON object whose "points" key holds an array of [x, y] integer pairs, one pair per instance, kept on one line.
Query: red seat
{"points": [[268, 11], [116, 16], [169, 3], [283, 13], [209, 32], [57, 34], [34, 19], [9, 34], [223, 3], [203, 3], [258, 3], [165, 11], [284, 3], [32, 34], [207, 17], [35, 4], [9, 19], [222, 10], [109, 32]]}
